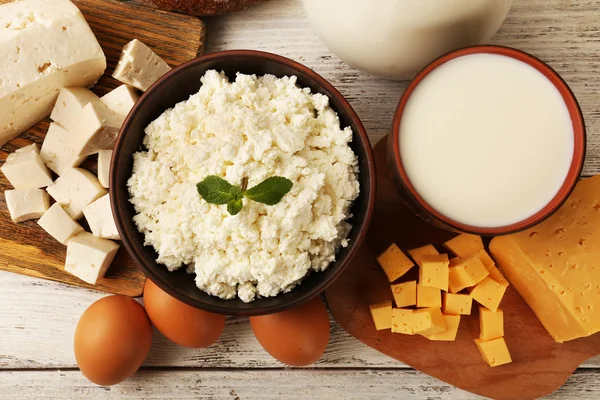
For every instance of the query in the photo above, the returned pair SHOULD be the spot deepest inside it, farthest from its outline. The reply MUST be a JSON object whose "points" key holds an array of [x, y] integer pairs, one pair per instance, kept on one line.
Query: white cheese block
{"points": [[59, 224], [69, 104], [58, 149], [26, 204], [97, 128], [121, 100], [75, 189], [25, 169], [104, 157], [88, 256], [45, 45], [139, 66], [100, 218]]}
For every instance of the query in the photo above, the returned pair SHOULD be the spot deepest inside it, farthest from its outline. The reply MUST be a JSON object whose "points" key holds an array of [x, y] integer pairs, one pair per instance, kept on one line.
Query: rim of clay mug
{"points": [[578, 130]]}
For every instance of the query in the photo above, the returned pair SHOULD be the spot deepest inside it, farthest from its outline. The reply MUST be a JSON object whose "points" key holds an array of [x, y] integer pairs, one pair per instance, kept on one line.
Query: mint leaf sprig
{"points": [[216, 190]]}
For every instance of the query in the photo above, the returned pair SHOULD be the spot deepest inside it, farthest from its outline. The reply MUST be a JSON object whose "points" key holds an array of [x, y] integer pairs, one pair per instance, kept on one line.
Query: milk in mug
{"points": [[486, 140]]}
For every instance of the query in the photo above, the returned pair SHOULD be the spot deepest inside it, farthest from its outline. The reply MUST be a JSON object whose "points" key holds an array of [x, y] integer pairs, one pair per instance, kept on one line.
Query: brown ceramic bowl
{"points": [[420, 207], [177, 86]]}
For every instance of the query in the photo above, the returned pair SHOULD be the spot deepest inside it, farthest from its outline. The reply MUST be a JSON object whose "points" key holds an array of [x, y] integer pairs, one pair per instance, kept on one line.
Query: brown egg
{"points": [[297, 337], [112, 339], [180, 322]]}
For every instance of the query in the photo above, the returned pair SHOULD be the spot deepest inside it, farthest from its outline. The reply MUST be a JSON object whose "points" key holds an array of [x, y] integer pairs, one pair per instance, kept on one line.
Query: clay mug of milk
{"points": [[396, 38]]}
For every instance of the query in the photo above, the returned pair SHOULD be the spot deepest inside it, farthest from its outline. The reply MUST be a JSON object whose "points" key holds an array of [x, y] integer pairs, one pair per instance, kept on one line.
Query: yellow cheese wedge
{"points": [[405, 294], [491, 324], [555, 265], [420, 252], [402, 321], [428, 296], [490, 265], [382, 314], [428, 321], [452, 322], [464, 244], [456, 303], [494, 352], [394, 262], [434, 271]]}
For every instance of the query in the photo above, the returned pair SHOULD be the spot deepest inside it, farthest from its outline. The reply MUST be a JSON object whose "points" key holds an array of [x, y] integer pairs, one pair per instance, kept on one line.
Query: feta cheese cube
{"points": [[139, 66], [75, 189], [26, 204], [59, 224], [121, 100], [45, 45], [58, 150], [97, 128], [25, 169], [69, 104], [100, 218], [104, 157], [88, 256]]}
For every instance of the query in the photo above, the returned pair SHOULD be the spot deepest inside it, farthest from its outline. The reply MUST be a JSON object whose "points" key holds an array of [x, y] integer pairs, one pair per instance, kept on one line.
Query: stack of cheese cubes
{"points": [[446, 287], [82, 125]]}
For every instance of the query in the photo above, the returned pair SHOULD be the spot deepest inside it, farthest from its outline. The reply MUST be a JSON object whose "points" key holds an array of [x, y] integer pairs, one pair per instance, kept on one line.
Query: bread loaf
{"points": [[201, 7]]}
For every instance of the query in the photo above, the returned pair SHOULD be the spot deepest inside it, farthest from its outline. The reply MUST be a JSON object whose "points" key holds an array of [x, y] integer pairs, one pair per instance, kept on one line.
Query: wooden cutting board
{"points": [[539, 367], [26, 248]]}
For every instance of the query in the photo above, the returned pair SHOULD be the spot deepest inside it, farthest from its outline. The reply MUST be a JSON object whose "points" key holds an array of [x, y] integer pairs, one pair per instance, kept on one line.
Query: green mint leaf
{"points": [[270, 191], [216, 190], [234, 206]]}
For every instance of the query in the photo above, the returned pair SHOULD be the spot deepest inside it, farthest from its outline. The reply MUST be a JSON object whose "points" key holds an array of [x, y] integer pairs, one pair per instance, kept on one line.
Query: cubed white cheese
{"points": [[59, 224], [58, 149], [88, 256], [139, 66], [69, 104], [121, 100], [75, 189], [26, 204], [45, 45], [100, 218], [25, 169], [97, 128], [104, 157]]}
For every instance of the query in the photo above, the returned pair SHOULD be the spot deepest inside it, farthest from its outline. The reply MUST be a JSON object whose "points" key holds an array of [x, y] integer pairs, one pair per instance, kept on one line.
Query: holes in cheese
{"points": [[434, 271], [494, 352], [491, 324], [405, 294], [456, 304]]}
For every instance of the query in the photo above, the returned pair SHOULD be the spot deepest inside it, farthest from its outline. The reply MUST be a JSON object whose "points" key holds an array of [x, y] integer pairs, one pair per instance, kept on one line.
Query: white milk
{"points": [[486, 140]]}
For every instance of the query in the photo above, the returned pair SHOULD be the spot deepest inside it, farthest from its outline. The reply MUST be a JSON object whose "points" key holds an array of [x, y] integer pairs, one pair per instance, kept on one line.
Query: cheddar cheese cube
{"points": [[428, 296], [456, 304], [382, 314], [452, 322], [428, 321], [434, 271], [464, 245], [490, 265], [491, 324], [488, 293], [405, 294], [455, 261], [394, 262], [494, 352], [420, 252], [468, 272], [402, 321]]}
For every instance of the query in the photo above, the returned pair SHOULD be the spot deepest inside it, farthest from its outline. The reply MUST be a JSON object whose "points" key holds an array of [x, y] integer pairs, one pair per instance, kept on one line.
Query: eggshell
{"points": [[180, 322], [112, 339], [296, 337]]}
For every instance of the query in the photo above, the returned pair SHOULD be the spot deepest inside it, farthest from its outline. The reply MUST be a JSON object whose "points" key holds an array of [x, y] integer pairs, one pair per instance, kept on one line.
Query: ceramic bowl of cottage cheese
{"points": [[245, 117]]}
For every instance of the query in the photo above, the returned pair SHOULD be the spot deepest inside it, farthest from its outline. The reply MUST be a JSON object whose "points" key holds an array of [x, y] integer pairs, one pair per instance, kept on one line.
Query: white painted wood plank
{"points": [[566, 34], [282, 384], [38, 319]]}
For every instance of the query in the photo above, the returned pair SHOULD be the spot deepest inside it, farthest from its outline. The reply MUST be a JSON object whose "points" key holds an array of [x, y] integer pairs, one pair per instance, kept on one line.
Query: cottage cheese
{"points": [[255, 127]]}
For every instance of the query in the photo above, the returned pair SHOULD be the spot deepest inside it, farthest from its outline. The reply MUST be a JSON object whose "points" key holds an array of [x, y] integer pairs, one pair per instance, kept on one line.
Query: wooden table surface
{"points": [[38, 318]]}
